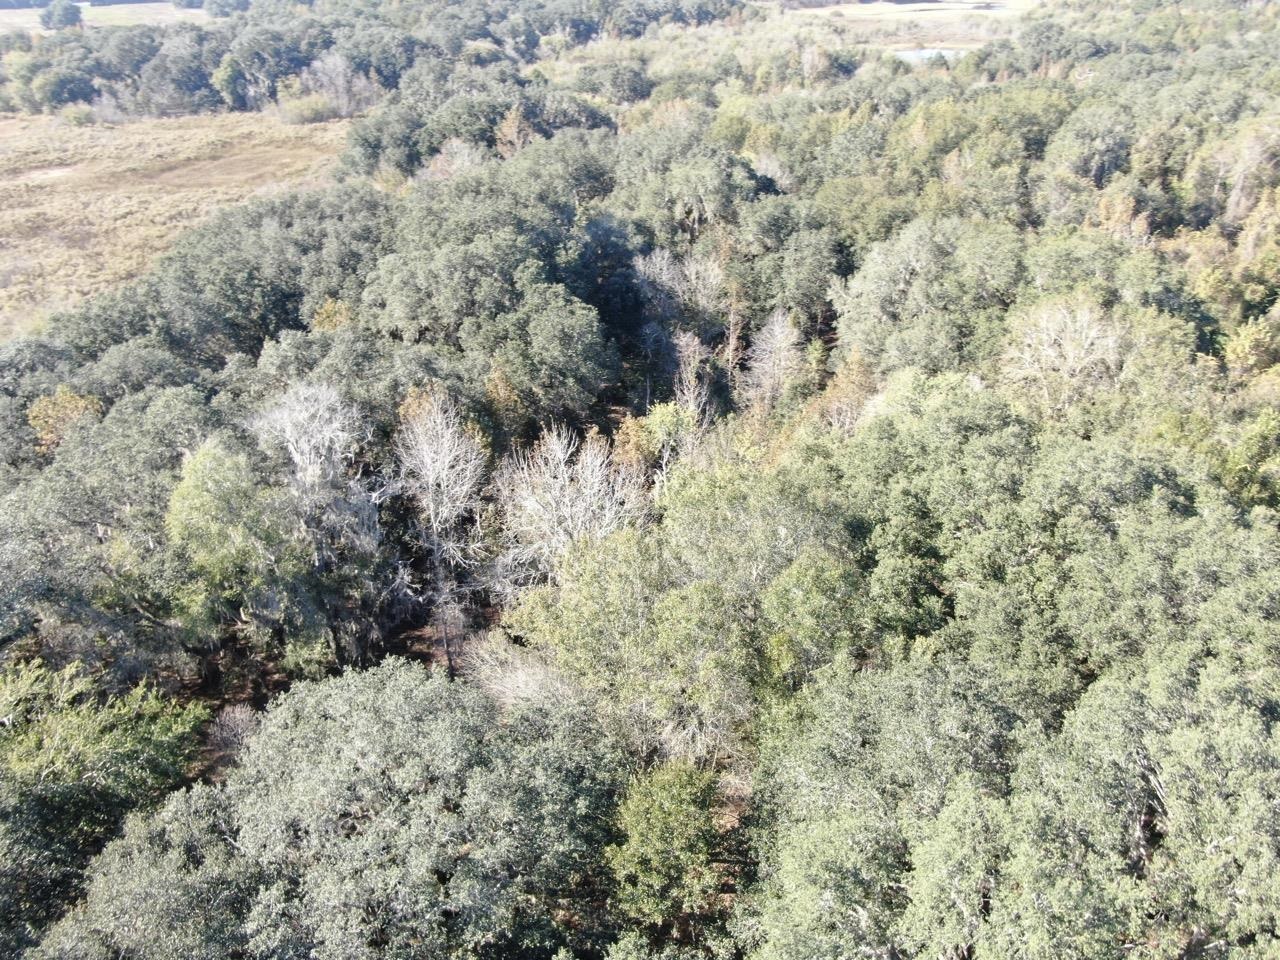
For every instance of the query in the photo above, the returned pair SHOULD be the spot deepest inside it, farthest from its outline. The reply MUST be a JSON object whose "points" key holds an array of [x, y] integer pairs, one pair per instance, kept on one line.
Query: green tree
{"points": [[932, 297], [667, 868], [60, 14], [376, 814], [849, 785], [549, 353], [244, 553], [73, 763]]}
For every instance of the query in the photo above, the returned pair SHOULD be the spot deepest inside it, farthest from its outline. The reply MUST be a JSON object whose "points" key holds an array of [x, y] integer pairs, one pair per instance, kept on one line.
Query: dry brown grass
{"points": [[115, 15], [83, 208], [939, 24], [928, 25]]}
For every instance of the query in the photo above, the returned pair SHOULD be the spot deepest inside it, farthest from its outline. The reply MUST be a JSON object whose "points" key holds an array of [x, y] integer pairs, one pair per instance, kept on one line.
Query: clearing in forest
{"points": [[85, 207], [946, 25], [109, 15]]}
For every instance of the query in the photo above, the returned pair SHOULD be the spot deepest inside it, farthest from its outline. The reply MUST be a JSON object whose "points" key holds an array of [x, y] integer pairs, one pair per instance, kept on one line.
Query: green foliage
{"points": [[547, 356], [60, 14], [238, 540], [241, 61], [373, 815], [172, 884], [813, 611], [850, 785], [904, 508], [933, 297], [663, 626], [666, 866], [1250, 468], [72, 764]]}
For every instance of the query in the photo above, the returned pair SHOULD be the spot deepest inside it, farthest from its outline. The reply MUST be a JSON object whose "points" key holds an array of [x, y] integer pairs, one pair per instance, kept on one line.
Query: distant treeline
{"points": [[331, 54], [37, 4]]}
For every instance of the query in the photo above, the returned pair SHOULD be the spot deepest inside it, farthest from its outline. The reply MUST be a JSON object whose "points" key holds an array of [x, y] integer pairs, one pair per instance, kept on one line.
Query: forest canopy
{"points": [[691, 486]]}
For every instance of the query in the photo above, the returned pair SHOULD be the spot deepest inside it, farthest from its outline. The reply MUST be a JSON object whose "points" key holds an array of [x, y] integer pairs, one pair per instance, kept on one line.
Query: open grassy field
{"points": [[913, 30], [935, 24], [115, 15], [85, 207]]}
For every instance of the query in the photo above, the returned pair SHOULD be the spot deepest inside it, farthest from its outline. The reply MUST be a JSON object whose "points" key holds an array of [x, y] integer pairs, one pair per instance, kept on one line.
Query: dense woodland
{"points": [[690, 489]]}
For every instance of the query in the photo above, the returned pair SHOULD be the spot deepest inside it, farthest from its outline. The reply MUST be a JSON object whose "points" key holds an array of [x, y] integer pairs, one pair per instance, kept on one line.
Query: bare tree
{"points": [[683, 292], [702, 285], [555, 494], [232, 728], [320, 434], [659, 273], [349, 522], [347, 91], [692, 392], [659, 352], [514, 675], [442, 466], [814, 62], [455, 156], [849, 393], [773, 362], [1245, 170], [731, 349], [1067, 351], [315, 428], [692, 286], [770, 165]]}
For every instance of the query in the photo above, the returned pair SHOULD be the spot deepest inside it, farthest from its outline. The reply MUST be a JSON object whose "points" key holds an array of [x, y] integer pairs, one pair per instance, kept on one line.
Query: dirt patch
{"points": [[41, 176]]}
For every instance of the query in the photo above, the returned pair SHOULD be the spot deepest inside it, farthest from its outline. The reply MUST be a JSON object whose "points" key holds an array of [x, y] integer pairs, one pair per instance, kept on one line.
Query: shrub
{"points": [[60, 14], [307, 108]]}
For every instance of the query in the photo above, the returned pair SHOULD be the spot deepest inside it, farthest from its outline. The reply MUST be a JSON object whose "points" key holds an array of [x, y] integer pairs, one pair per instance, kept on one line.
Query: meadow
{"points": [[113, 15], [946, 24], [84, 207], [911, 30]]}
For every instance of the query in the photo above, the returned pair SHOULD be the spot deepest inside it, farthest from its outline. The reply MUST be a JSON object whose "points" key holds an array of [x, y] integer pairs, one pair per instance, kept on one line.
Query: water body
{"points": [[927, 53]]}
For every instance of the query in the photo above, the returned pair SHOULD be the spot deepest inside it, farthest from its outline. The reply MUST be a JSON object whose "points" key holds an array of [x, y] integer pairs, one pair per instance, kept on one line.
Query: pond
{"points": [[925, 54]]}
